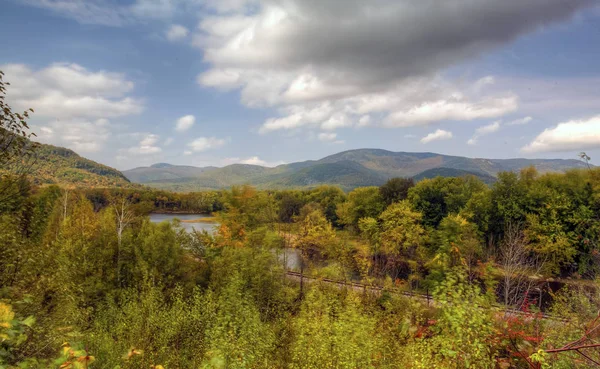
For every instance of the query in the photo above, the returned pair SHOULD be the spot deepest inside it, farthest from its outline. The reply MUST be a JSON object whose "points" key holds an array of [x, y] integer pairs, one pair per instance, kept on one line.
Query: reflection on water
{"points": [[158, 218]]}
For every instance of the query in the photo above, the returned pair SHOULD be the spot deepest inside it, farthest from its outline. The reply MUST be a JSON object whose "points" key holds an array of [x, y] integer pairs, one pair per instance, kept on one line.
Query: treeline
{"points": [[398, 229], [149, 200]]}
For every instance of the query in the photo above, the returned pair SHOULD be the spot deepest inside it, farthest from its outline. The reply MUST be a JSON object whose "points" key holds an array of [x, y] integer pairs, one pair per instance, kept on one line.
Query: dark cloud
{"points": [[372, 41]]}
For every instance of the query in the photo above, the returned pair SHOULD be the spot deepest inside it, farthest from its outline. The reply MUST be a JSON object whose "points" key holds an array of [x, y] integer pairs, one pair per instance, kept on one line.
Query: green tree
{"points": [[396, 189], [361, 203], [436, 198], [236, 336], [457, 243], [316, 236], [396, 239], [463, 332], [329, 333]]}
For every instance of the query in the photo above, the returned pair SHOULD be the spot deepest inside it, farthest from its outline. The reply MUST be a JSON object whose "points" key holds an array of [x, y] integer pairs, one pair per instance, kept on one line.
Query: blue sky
{"points": [[215, 82]]}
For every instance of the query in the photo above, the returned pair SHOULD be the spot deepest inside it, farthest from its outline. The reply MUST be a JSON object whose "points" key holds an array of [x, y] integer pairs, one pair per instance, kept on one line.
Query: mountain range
{"points": [[348, 169]]}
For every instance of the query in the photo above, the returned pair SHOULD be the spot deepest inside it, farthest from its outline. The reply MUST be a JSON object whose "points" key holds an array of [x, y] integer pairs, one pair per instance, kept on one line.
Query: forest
{"points": [[509, 270], [88, 280]]}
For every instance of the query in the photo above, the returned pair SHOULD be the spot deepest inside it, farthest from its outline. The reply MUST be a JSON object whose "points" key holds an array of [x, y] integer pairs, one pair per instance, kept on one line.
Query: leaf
{"points": [[29, 321]]}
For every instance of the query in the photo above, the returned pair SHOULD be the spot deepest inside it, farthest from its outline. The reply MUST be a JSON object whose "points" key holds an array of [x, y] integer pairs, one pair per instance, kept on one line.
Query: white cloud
{"points": [[70, 91], [327, 137], [420, 101], [521, 121], [177, 32], [206, 143], [439, 134], [184, 123], [168, 141], [254, 160], [146, 146], [409, 136], [267, 50], [483, 131], [486, 130], [71, 103], [364, 121], [452, 110], [574, 135], [83, 136]]}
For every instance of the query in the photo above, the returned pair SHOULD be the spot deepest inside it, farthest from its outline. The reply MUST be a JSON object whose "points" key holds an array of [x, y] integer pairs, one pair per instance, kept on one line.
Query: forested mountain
{"points": [[164, 171], [58, 165], [348, 169]]}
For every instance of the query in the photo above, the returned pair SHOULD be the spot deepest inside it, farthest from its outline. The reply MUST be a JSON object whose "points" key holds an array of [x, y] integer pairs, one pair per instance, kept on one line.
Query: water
{"points": [[291, 256], [158, 218]]}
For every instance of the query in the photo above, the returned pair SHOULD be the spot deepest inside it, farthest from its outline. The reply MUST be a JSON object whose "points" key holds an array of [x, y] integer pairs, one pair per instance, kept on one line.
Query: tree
{"points": [[14, 131], [583, 156], [316, 236], [289, 206], [396, 238], [436, 198], [124, 216], [509, 196], [457, 244], [331, 332], [518, 264], [463, 331], [16, 148], [361, 203], [396, 189], [329, 197]]}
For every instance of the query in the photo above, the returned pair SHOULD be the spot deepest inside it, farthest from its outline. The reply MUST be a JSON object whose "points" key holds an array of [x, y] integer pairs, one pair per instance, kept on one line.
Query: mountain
{"points": [[348, 169], [58, 165], [164, 171]]}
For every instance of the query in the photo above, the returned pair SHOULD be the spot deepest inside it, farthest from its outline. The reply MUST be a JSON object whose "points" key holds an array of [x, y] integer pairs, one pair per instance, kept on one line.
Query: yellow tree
{"points": [[396, 238]]}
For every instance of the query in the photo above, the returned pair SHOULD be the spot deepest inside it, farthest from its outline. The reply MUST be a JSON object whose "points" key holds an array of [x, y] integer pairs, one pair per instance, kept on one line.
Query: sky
{"points": [[267, 82]]}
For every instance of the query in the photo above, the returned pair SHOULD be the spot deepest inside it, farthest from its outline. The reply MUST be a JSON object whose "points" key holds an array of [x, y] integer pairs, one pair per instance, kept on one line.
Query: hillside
{"points": [[348, 169], [163, 171], [58, 165]]}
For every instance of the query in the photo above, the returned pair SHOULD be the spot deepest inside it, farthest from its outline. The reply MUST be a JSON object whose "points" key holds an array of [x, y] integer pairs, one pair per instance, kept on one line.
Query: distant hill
{"points": [[348, 169], [58, 165], [163, 171]]}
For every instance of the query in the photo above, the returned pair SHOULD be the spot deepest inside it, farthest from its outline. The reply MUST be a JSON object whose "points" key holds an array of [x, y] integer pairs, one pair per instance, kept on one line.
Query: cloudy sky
{"points": [[215, 82]]}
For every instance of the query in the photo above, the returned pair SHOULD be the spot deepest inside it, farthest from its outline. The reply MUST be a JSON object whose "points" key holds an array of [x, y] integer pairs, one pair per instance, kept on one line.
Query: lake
{"points": [[159, 218], [291, 257]]}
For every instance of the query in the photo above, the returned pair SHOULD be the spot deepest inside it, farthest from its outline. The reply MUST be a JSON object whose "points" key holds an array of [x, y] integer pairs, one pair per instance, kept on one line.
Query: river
{"points": [[158, 218], [291, 256]]}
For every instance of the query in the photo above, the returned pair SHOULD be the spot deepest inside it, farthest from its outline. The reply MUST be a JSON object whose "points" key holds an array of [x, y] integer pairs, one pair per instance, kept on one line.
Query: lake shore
{"points": [[200, 220]]}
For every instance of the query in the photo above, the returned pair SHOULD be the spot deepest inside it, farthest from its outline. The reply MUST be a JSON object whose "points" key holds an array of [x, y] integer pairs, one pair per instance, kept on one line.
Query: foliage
{"points": [[463, 331], [96, 273], [396, 189], [361, 203]]}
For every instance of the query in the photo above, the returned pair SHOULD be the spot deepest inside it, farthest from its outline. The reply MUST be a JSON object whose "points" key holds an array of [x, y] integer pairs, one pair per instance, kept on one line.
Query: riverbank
{"points": [[182, 212], [208, 219]]}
